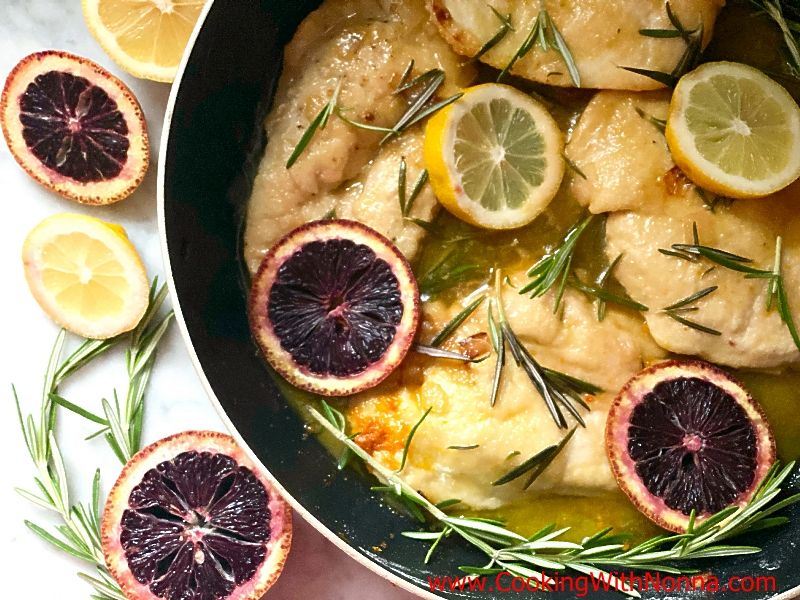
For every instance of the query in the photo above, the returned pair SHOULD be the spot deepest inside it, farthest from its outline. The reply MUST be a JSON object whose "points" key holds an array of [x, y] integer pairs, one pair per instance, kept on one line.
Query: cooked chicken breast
{"points": [[602, 35], [366, 45], [519, 425], [622, 153], [752, 335]]}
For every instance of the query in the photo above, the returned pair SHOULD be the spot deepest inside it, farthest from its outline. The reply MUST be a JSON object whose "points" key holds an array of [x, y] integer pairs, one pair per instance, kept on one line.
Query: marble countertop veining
{"points": [[175, 399]]}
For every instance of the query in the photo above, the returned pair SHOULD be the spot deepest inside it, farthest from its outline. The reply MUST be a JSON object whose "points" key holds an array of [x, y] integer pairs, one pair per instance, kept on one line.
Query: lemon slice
{"points": [[494, 157], [144, 37], [734, 131], [86, 275]]}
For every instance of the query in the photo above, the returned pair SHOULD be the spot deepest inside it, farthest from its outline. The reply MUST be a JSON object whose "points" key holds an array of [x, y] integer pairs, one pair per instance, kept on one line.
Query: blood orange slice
{"points": [[334, 307], [191, 518], [684, 436], [74, 127]]}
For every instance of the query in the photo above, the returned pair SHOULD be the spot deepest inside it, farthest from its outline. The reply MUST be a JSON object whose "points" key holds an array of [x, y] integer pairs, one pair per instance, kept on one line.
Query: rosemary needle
{"points": [[537, 464], [457, 321], [410, 438], [319, 122]]}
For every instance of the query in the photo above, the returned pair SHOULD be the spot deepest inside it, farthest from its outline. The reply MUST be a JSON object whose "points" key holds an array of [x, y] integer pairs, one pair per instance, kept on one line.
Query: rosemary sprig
{"points": [[457, 321], [410, 438], [468, 447], [558, 390], [554, 267], [506, 550], [122, 422], [505, 27], [601, 282], [789, 29], [420, 107], [406, 199], [688, 60], [676, 311], [776, 289], [537, 464], [544, 33], [79, 532], [319, 122]]}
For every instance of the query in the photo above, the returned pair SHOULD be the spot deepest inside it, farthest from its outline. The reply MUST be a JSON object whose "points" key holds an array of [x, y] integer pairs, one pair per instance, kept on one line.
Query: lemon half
{"points": [[86, 275], [734, 131], [145, 37], [494, 157]]}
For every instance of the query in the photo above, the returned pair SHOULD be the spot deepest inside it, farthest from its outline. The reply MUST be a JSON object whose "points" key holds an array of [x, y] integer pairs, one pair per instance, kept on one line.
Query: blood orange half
{"points": [[684, 436], [334, 307], [191, 518], [74, 127]]}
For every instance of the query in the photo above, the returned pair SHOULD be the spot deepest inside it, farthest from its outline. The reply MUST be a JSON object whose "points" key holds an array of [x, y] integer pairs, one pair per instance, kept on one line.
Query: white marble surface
{"points": [[175, 400]]}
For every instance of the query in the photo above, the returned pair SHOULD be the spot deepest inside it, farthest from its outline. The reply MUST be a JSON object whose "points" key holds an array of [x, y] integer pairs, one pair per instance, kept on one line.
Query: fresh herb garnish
{"points": [[410, 438], [319, 122], [79, 533], [457, 321], [419, 109], [660, 124], [450, 270], [122, 422], [526, 557], [556, 389], [505, 27], [678, 309], [572, 165], [544, 33], [601, 282], [603, 296], [554, 267], [776, 290], [499, 346], [337, 418], [537, 464], [790, 30], [447, 354], [712, 201], [406, 199], [688, 60], [469, 447]]}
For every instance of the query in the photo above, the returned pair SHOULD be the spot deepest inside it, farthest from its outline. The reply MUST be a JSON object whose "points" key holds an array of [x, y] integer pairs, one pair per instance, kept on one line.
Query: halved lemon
{"points": [[145, 37], [494, 157], [734, 131], [86, 275]]}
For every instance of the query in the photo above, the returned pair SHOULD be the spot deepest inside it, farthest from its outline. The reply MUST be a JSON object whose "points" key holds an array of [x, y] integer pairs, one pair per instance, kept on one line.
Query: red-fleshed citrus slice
{"points": [[191, 518], [334, 307], [684, 436], [74, 127]]}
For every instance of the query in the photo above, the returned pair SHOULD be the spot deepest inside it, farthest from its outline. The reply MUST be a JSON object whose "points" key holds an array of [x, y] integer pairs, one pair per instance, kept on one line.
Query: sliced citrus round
{"points": [[683, 436], [86, 275], [74, 127], [494, 157], [147, 39], [734, 131], [334, 307], [191, 517]]}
